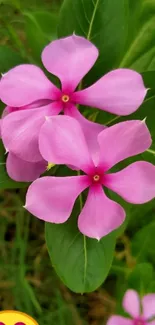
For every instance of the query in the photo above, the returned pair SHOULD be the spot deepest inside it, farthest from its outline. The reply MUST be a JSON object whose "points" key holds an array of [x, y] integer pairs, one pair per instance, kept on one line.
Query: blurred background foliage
{"points": [[27, 280]]}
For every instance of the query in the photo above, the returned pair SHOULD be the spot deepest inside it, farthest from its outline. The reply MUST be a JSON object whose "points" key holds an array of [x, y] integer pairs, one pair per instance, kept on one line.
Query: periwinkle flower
{"points": [[62, 141], [18, 169], [141, 311], [120, 91]]}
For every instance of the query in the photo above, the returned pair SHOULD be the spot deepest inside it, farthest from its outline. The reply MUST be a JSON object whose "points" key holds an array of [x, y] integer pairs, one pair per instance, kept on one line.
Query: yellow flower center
{"points": [[65, 98], [49, 166], [96, 178]]}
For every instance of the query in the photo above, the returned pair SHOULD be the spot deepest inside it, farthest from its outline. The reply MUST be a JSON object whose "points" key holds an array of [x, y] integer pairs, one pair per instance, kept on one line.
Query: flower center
{"points": [[65, 98], [96, 178], [139, 322]]}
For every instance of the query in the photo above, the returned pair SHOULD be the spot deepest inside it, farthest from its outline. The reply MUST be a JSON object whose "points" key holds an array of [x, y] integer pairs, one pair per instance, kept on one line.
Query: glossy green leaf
{"points": [[8, 58], [152, 287], [41, 28], [149, 79], [81, 263]]}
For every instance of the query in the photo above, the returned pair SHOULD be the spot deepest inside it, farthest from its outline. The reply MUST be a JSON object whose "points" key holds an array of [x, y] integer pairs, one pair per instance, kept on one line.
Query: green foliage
{"points": [[75, 256], [141, 278], [8, 58], [143, 243], [40, 27]]}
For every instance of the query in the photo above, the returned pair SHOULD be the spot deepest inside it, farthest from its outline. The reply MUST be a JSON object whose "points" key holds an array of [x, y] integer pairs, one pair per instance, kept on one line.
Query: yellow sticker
{"points": [[13, 317]]}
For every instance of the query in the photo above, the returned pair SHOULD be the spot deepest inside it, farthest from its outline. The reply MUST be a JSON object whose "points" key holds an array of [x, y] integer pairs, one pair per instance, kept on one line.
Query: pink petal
{"points": [[131, 303], [135, 183], [25, 84], [123, 140], [120, 92], [20, 131], [62, 141], [24, 171], [148, 304], [100, 215], [52, 198], [90, 130], [69, 59], [118, 320], [151, 323]]}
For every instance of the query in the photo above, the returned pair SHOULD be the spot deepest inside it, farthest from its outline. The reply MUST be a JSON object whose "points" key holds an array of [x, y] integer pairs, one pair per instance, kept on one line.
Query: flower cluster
{"points": [[34, 134], [141, 311]]}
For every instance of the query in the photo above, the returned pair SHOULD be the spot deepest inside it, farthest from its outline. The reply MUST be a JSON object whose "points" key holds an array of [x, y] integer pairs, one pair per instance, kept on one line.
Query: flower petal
{"points": [[20, 131], [135, 183], [119, 320], [25, 84], [123, 140], [24, 171], [120, 92], [52, 198], [69, 59], [90, 130], [151, 323], [131, 303], [100, 215], [148, 305], [62, 141]]}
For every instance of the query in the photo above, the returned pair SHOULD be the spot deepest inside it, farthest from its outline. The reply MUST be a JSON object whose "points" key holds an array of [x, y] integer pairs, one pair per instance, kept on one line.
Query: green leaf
{"points": [[152, 287], [140, 50], [5, 181], [40, 29], [8, 58], [143, 243], [81, 263], [141, 277], [149, 79]]}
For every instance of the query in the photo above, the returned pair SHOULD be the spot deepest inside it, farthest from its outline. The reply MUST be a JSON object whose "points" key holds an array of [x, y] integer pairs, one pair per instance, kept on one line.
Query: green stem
{"points": [[151, 151], [120, 269], [92, 20], [112, 120], [84, 239]]}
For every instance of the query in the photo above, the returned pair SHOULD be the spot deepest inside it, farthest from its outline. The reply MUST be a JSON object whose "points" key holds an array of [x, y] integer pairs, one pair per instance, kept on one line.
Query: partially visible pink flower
{"points": [[62, 141], [132, 305], [19, 169], [120, 91], [24, 171]]}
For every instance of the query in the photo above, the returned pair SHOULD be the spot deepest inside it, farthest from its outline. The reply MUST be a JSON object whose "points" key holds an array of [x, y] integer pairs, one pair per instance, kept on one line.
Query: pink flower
{"points": [[62, 141], [132, 305], [19, 169], [24, 171], [120, 91]]}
